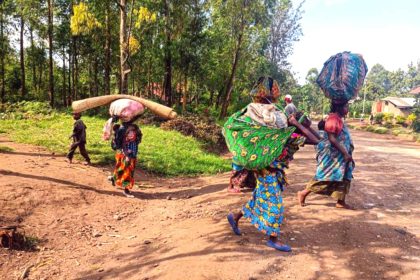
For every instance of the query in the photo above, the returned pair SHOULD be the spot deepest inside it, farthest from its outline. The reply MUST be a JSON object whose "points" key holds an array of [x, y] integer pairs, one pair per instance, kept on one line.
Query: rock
{"points": [[400, 230], [169, 197], [96, 234], [292, 238], [100, 269], [117, 217], [156, 265], [147, 242]]}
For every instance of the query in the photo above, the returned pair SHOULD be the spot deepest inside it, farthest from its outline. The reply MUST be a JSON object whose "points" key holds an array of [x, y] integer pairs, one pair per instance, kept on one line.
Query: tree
{"points": [[50, 47], [285, 29]]}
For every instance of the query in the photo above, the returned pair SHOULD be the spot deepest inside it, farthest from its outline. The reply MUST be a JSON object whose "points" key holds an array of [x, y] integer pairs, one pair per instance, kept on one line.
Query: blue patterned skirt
{"points": [[265, 208]]}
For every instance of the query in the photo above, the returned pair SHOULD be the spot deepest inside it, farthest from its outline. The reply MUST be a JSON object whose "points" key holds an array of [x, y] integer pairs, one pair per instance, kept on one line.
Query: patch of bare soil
{"points": [[83, 228]]}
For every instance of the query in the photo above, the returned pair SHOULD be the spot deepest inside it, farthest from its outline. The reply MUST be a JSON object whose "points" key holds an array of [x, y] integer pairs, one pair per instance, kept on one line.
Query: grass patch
{"points": [[163, 152], [6, 149], [381, 130], [396, 132]]}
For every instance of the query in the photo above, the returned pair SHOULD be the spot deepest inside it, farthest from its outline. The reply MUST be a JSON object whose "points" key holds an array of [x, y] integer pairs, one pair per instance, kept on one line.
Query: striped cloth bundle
{"points": [[342, 76]]}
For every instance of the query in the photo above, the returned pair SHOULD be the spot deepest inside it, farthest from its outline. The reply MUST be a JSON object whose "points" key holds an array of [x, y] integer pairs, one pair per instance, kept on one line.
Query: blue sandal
{"points": [[283, 248], [233, 224]]}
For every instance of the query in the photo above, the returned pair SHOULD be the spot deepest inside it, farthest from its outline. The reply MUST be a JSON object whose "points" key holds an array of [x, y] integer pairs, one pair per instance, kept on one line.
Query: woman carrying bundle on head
{"points": [[263, 141], [125, 142], [334, 159], [340, 79]]}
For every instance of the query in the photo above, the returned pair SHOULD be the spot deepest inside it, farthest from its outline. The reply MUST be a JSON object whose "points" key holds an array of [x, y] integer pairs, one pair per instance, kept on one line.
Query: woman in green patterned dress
{"points": [[260, 145]]}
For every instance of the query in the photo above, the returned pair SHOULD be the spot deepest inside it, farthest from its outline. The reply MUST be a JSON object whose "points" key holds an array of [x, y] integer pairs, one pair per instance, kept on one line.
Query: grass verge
{"points": [[163, 152]]}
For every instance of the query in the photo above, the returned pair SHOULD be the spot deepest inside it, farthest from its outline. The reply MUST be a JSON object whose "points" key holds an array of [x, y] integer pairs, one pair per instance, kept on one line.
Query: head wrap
{"points": [[266, 89]]}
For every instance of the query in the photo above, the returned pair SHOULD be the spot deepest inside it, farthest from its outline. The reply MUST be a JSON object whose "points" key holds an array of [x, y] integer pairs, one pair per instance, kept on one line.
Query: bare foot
{"points": [[343, 205], [233, 190], [301, 199]]}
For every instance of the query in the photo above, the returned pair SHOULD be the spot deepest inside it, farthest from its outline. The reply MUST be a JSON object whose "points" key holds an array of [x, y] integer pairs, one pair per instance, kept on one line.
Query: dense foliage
{"points": [[199, 56]]}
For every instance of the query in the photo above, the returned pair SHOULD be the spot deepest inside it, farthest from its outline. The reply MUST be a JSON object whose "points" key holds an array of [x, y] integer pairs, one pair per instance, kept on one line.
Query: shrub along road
{"points": [[176, 228]]}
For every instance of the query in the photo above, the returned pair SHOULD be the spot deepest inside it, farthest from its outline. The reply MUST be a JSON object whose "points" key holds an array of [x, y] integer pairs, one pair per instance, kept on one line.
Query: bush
{"points": [[396, 132], [379, 118], [388, 117], [24, 110], [411, 118], [202, 128], [400, 120], [381, 130], [370, 128], [414, 121]]}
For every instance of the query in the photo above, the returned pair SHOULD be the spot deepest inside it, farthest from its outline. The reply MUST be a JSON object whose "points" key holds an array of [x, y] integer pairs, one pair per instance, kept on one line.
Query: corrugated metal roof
{"points": [[415, 90], [401, 102]]}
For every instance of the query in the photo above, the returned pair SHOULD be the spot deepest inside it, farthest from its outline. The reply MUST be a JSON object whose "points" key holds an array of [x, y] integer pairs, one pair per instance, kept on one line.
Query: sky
{"points": [[383, 31]]}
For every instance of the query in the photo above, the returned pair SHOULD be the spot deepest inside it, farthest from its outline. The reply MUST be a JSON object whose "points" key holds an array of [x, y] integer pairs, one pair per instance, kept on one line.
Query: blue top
{"points": [[330, 161]]}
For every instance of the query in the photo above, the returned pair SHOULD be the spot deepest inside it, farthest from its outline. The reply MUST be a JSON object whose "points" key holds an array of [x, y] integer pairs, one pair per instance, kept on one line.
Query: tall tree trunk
{"points": [[41, 69], [95, 78], [167, 82], [64, 78], [124, 69], [69, 77], [185, 93], [90, 79], [2, 54], [50, 45], [75, 70], [107, 70], [31, 36], [72, 66], [22, 58], [229, 85]]}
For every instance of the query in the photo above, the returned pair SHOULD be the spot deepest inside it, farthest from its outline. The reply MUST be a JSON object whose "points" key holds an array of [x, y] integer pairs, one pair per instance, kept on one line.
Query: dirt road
{"points": [[177, 229]]}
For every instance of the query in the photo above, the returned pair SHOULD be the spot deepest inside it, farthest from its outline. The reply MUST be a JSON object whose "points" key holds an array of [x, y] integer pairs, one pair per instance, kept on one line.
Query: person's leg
{"points": [[301, 196], [70, 154], [83, 152], [341, 190], [273, 242], [236, 180], [128, 181], [233, 219]]}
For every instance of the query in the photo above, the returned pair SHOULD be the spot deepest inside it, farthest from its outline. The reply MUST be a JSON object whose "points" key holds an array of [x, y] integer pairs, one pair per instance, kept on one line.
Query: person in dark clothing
{"points": [[79, 139]]}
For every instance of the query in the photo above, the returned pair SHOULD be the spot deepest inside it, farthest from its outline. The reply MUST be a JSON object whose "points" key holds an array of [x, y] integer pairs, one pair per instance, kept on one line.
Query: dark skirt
{"points": [[336, 189]]}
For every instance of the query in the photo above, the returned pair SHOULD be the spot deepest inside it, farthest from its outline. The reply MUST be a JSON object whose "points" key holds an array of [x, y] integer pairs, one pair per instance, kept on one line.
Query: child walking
{"points": [[79, 139]]}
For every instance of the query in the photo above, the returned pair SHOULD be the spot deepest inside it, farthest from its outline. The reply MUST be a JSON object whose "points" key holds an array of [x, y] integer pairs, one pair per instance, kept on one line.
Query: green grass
{"points": [[163, 152], [381, 130], [6, 149]]}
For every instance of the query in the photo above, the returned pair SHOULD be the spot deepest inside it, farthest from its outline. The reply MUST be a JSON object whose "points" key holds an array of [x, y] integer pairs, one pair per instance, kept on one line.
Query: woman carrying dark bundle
{"points": [[127, 138], [334, 159], [259, 144]]}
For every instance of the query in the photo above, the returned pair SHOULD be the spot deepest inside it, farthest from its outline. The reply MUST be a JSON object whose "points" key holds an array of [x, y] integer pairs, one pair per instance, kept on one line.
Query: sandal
{"points": [[283, 248], [233, 224]]}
